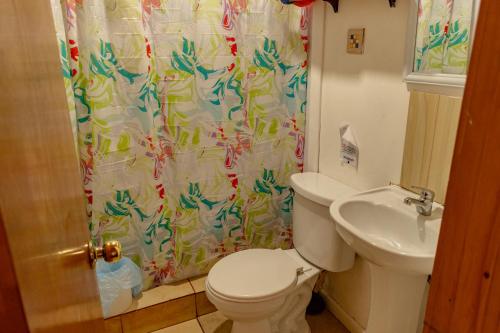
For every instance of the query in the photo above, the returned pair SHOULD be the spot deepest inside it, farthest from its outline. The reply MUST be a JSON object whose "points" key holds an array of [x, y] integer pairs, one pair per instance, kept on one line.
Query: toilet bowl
{"points": [[263, 290], [267, 291]]}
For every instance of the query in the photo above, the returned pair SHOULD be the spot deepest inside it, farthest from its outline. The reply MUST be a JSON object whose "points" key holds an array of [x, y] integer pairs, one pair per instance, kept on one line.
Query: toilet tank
{"points": [[314, 233]]}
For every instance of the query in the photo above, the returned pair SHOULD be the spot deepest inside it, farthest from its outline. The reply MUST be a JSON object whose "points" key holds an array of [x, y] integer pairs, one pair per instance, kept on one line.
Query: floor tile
{"points": [[161, 294], [325, 322], [203, 305], [113, 325], [198, 283], [191, 326], [215, 322], [160, 315]]}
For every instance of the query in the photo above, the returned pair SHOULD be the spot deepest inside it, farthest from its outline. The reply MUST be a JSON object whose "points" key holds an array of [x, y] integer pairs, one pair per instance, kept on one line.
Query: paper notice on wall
{"points": [[349, 151]]}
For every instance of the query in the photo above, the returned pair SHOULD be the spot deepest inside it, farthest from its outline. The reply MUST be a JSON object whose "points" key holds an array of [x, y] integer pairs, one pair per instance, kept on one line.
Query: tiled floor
{"points": [[325, 323], [198, 283], [184, 308], [217, 323], [162, 307], [191, 326], [161, 294]]}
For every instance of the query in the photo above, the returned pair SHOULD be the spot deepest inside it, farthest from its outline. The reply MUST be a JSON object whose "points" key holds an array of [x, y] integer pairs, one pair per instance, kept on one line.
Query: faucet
{"points": [[424, 203]]}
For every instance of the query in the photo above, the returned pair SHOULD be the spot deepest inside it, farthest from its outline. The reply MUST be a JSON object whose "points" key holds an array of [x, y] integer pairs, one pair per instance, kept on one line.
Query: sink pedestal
{"points": [[396, 300]]}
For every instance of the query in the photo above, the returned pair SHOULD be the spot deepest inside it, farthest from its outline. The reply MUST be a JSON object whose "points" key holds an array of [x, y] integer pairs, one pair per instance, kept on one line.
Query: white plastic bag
{"points": [[118, 282]]}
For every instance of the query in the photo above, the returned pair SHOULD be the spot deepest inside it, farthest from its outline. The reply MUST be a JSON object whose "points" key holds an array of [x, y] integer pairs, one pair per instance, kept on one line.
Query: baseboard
{"points": [[349, 322]]}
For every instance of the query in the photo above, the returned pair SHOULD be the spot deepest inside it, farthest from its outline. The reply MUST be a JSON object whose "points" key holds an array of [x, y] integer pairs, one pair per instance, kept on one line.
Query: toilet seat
{"points": [[253, 275]]}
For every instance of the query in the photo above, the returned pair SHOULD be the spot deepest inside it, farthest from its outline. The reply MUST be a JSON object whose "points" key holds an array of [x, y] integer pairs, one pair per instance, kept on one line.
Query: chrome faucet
{"points": [[424, 203]]}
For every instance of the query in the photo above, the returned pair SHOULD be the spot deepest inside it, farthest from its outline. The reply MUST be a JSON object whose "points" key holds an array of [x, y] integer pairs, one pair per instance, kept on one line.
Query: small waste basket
{"points": [[118, 283]]}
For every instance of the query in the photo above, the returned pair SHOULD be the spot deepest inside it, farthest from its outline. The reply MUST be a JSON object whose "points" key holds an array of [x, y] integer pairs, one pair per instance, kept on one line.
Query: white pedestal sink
{"points": [[400, 246]]}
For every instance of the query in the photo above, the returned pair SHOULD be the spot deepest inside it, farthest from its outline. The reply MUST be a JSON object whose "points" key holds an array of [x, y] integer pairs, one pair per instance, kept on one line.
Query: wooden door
{"points": [[465, 288], [42, 212]]}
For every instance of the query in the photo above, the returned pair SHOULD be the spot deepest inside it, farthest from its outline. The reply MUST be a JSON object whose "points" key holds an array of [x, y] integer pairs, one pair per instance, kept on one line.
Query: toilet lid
{"points": [[253, 274]]}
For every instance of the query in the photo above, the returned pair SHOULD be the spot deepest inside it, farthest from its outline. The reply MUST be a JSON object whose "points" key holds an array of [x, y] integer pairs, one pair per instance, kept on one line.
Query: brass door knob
{"points": [[111, 252]]}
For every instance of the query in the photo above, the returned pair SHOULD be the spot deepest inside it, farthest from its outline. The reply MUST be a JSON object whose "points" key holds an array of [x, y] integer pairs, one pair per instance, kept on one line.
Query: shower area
{"points": [[188, 119]]}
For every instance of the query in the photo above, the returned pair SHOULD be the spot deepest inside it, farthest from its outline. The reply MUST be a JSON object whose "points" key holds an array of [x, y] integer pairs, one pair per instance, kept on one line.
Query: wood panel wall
{"points": [[430, 139]]}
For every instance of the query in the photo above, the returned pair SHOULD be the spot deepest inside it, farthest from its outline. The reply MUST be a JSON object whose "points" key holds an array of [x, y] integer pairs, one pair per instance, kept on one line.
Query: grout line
{"points": [[121, 323], [192, 287], [196, 305], [199, 323], [197, 278]]}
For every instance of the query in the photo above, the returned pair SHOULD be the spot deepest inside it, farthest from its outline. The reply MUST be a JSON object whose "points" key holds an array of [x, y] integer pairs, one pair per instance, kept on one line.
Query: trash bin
{"points": [[118, 283]]}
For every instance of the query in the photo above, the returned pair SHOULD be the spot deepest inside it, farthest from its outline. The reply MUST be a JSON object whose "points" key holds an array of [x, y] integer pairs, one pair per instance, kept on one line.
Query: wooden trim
{"points": [[465, 288]]}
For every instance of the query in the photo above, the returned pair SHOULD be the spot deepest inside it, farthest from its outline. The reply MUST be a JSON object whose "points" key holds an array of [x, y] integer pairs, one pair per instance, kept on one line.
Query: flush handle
{"points": [[111, 252]]}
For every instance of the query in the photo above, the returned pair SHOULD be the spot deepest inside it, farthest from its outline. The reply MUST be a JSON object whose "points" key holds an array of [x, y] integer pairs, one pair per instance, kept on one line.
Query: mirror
{"points": [[440, 44]]}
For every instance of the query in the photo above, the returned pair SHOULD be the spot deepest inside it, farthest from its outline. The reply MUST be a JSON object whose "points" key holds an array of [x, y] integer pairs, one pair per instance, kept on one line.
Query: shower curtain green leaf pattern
{"points": [[443, 36], [189, 120]]}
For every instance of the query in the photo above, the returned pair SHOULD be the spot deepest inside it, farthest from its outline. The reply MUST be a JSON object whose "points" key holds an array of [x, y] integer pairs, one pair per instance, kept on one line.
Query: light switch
{"points": [[355, 41]]}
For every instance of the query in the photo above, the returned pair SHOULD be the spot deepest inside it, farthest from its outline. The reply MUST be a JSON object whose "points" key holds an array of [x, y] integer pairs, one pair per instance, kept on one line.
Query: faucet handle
{"points": [[425, 193]]}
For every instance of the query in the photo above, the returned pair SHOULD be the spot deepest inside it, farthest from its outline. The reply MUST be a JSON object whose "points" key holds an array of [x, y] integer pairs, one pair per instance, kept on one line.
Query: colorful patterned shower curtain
{"points": [[189, 121], [443, 36]]}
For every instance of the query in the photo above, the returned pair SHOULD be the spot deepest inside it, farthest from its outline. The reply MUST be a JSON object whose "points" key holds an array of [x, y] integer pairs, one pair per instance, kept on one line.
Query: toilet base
{"points": [[292, 316]]}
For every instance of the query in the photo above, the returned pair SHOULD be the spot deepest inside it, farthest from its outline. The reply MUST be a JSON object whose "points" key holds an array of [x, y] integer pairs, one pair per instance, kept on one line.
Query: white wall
{"points": [[365, 90], [368, 92]]}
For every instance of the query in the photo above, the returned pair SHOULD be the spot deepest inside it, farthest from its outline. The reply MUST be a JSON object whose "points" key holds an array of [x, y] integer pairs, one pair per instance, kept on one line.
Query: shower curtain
{"points": [[443, 36], [189, 118]]}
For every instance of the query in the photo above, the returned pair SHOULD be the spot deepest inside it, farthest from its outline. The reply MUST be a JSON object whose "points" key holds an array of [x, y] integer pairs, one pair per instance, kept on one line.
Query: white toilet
{"points": [[264, 291]]}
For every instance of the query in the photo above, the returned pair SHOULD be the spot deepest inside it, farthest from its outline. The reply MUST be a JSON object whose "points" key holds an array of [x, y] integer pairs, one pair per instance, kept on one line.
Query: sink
{"points": [[399, 245], [378, 225]]}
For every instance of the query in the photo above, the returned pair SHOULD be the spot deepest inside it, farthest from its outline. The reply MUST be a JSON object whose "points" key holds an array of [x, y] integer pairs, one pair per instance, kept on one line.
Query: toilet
{"points": [[267, 291]]}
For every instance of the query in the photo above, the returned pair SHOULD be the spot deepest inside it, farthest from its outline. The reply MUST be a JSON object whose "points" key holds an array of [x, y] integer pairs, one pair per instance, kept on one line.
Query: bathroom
{"points": [[248, 166]]}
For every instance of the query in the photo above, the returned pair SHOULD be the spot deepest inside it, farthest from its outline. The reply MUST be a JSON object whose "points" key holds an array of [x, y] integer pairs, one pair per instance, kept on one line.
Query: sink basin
{"points": [[379, 226], [399, 245]]}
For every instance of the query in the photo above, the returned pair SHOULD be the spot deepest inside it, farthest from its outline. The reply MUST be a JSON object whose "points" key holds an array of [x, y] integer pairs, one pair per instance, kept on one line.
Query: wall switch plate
{"points": [[355, 41]]}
